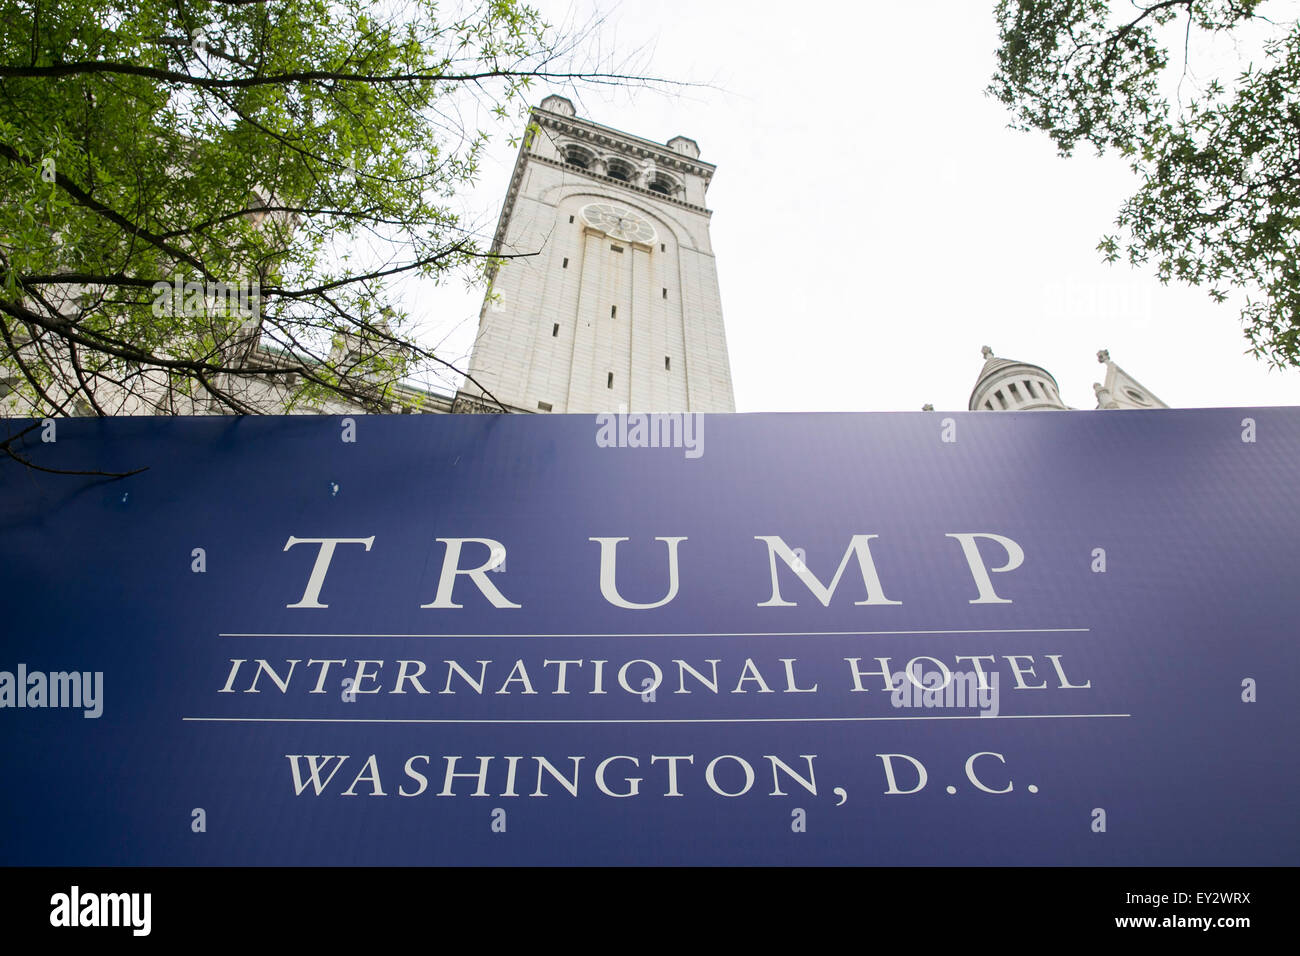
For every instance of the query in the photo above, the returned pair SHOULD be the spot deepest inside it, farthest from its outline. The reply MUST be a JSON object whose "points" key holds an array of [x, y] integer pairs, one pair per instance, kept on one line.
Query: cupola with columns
{"points": [[1008, 385], [1012, 386]]}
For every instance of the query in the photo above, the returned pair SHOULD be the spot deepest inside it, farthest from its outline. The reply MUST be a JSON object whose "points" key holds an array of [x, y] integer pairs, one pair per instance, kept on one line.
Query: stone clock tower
{"points": [[610, 300]]}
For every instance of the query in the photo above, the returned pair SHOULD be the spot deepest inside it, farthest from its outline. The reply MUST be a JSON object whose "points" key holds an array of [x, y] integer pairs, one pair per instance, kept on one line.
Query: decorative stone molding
{"points": [[579, 130], [601, 177], [467, 405]]}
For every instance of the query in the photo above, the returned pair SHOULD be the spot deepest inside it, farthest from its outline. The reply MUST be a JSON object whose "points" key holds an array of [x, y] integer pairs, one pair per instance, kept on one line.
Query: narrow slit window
{"points": [[613, 311], [570, 219], [609, 380], [662, 247], [668, 363], [555, 330], [665, 293], [544, 406], [565, 263]]}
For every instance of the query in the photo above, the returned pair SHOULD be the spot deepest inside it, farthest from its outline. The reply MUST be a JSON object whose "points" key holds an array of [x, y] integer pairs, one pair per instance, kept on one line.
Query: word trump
{"points": [[779, 553]]}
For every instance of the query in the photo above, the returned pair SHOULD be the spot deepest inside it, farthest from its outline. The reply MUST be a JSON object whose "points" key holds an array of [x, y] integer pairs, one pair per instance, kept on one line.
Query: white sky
{"points": [[876, 222]]}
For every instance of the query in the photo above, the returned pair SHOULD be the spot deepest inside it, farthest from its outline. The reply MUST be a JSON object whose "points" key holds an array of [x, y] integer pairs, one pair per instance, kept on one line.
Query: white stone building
{"points": [[1014, 386], [609, 298]]}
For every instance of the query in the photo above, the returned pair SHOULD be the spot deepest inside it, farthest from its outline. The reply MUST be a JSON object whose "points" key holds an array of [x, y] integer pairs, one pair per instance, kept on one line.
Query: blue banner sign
{"points": [[882, 639]]}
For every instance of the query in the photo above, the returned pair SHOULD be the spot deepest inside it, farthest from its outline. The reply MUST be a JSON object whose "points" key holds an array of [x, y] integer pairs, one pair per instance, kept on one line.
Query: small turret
{"points": [[558, 104], [1012, 386]]}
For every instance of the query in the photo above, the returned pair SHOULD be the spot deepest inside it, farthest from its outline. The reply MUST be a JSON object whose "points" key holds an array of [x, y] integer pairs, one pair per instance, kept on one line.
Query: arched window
{"points": [[617, 169], [577, 156], [663, 185]]}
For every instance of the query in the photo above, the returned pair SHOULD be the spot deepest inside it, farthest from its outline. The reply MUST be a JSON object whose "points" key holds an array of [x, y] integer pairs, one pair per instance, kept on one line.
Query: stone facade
{"points": [[607, 296]]}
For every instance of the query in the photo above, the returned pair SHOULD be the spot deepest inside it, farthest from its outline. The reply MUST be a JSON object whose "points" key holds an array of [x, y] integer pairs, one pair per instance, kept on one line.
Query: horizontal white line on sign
{"points": [[986, 630], [634, 720]]}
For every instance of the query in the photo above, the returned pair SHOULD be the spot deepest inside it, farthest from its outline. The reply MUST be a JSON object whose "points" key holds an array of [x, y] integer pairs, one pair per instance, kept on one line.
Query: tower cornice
{"points": [[608, 136], [631, 187]]}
